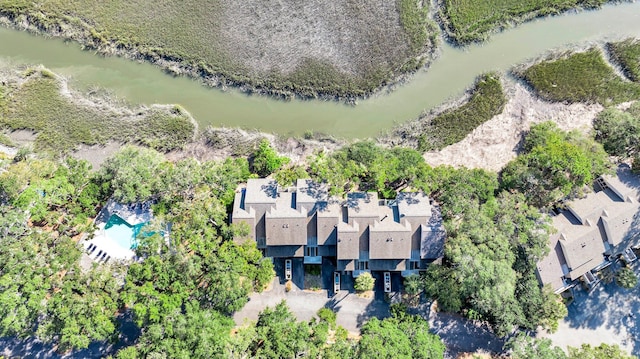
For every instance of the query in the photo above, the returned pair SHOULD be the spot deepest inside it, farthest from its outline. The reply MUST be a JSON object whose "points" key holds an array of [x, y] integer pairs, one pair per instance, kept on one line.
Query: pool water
{"points": [[122, 233]]}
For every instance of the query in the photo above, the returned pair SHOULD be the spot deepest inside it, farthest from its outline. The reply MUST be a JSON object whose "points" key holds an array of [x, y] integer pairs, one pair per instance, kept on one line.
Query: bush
{"points": [[626, 278], [327, 315], [364, 282], [413, 285], [265, 159]]}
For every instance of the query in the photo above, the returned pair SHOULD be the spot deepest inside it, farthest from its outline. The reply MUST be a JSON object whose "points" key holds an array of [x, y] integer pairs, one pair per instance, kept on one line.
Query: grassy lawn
{"points": [[627, 54], [580, 77], [487, 100], [332, 48], [467, 20], [63, 122]]}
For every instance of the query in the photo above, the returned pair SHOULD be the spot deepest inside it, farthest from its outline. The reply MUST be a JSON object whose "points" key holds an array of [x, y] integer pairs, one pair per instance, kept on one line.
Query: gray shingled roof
{"points": [[348, 246], [624, 183], [589, 208], [239, 211], [413, 204], [310, 191], [260, 191], [365, 204], [550, 268], [283, 208], [390, 240], [583, 246], [618, 220]]}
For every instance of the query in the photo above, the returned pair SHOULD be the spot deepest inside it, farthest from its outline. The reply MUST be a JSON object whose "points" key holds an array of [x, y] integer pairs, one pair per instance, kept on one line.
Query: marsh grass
{"points": [[627, 54], [579, 77], [328, 48], [467, 21], [62, 122], [487, 100]]}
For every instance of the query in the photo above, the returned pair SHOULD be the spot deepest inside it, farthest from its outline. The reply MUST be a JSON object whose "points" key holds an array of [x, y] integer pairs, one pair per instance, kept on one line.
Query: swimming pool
{"points": [[121, 232]]}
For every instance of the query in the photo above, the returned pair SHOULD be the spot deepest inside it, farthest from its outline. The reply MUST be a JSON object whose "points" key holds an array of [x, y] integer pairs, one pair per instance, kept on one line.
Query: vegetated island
{"points": [[472, 21], [323, 49]]}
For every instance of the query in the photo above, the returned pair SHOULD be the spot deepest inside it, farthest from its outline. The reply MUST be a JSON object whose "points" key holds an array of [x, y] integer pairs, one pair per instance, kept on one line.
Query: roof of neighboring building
{"points": [[310, 191], [261, 191], [413, 204], [589, 208], [618, 220], [549, 268], [624, 183], [582, 245]]}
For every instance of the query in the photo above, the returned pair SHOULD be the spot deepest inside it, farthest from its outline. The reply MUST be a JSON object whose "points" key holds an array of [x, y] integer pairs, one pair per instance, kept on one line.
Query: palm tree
{"points": [[626, 278]]}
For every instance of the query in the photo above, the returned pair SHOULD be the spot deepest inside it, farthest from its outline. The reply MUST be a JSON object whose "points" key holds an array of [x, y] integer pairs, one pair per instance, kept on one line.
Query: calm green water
{"points": [[447, 77]]}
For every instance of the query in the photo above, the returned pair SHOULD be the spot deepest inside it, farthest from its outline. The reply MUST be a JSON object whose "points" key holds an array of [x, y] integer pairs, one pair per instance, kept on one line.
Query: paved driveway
{"points": [[352, 311], [609, 315]]}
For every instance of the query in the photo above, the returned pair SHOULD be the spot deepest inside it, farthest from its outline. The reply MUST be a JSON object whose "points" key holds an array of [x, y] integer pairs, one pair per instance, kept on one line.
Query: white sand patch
{"points": [[493, 144]]}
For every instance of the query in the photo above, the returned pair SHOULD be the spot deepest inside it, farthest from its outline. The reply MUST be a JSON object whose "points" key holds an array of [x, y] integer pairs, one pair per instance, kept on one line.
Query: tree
{"points": [[265, 159], [555, 165], [280, 335], [618, 131], [196, 333], [586, 351], [523, 346], [364, 282], [134, 174], [626, 278], [401, 336], [413, 285]]}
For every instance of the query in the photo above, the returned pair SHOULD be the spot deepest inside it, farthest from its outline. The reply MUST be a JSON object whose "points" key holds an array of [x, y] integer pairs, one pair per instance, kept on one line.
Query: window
{"points": [[312, 251], [414, 265], [362, 265]]}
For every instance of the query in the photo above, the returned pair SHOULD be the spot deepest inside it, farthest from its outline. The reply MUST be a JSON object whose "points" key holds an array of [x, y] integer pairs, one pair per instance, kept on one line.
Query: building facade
{"points": [[359, 233]]}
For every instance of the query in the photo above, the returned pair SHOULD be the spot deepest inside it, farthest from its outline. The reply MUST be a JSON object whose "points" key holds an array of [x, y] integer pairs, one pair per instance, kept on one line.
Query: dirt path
{"points": [[495, 143]]}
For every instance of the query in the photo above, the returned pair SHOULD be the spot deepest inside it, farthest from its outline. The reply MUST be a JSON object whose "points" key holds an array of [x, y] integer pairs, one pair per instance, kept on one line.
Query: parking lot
{"points": [[609, 314], [352, 310]]}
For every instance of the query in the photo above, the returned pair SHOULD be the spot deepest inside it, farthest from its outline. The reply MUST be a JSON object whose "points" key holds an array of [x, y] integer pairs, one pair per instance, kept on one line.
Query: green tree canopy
{"points": [[626, 278], [555, 165], [619, 131], [134, 174], [401, 336], [265, 160]]}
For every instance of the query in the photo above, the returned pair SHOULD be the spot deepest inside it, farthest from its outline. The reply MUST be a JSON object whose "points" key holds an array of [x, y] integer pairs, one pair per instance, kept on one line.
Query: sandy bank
{"points": [[496, 142]]}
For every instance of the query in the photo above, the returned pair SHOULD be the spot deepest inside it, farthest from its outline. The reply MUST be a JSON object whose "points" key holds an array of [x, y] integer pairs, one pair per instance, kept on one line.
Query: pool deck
{"points": [[133, 214], [107, 245]]}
